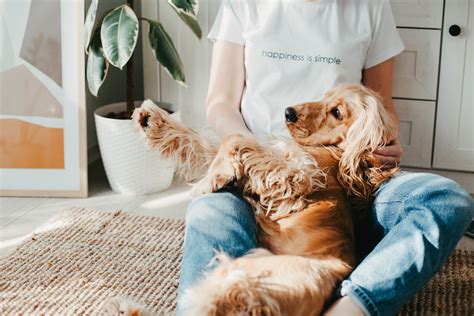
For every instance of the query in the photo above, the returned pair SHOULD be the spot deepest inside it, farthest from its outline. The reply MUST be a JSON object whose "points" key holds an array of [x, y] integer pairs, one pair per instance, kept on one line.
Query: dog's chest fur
{"points": [[323, 227]]}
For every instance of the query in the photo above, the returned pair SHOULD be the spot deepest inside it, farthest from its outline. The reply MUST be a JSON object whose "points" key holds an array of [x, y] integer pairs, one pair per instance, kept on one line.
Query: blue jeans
{"points": [[415, 223]]}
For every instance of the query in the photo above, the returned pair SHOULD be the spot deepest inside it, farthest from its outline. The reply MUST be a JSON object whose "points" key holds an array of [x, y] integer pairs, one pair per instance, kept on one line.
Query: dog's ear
{"points": [[360, 173]]}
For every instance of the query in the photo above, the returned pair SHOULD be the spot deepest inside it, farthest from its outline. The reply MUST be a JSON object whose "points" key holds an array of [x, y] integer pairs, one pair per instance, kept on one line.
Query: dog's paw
{"points": [[212, 183], [142, 118], [123, 307], [149, 115]]}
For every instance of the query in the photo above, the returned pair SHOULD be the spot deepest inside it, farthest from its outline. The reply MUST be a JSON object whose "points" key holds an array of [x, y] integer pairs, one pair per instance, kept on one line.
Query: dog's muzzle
{"points": [[291, 115]]}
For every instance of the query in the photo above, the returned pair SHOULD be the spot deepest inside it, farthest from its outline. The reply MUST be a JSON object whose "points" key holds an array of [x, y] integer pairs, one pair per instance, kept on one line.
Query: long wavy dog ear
{"points": [[359, 171]]}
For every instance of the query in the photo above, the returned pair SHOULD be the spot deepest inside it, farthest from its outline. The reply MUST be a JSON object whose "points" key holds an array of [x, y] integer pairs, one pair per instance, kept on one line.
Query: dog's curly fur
{"points": [[303, 191]]}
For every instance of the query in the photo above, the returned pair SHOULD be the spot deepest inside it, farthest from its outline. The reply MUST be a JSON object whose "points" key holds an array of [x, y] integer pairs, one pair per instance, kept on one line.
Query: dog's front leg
{"points": [[192, 152], [226, 166], [280, 178]]}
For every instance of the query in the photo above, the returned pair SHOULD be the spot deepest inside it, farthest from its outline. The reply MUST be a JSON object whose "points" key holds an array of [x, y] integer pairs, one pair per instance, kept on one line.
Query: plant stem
{"points": [[131, 77], [130, 86]]}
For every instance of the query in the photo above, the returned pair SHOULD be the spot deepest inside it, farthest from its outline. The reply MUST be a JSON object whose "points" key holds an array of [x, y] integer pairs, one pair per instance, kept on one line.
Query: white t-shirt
{"points": [[296, 50]]}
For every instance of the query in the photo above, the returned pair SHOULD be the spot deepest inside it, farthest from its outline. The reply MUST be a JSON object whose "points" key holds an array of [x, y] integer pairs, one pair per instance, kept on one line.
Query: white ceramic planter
{"points": [[130, 167]]}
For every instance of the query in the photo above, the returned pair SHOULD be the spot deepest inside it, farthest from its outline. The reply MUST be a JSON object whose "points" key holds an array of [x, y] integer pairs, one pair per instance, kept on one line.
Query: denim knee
{"points": [[457, 204], [215, 207], [424, 193], [223, 219], [422, 217], [462, 202], [201, 211], [443, 203], [215, 222]]}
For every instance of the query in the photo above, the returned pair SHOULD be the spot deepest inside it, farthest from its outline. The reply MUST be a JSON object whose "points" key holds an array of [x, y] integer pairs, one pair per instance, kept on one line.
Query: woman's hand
{"points": [[390, 154]]}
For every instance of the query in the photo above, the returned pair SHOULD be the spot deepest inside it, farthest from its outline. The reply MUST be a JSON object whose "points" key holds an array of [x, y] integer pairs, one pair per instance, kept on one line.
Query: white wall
{"points": [[196, 56]]}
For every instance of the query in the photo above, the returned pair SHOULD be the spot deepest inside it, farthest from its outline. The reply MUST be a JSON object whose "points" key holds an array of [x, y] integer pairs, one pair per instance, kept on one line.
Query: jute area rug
{"points": [[81, 257]]}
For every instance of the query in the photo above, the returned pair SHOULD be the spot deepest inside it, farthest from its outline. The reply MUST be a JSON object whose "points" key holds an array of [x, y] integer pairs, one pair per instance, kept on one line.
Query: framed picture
{"points": [[42, 98]]}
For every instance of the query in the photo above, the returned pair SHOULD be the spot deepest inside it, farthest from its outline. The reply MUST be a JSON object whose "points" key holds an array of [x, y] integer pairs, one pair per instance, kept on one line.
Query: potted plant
{"points": [[111, 41]]}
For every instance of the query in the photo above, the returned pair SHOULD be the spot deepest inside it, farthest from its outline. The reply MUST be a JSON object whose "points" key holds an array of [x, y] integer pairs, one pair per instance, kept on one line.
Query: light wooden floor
{"points": [[21, 216]]}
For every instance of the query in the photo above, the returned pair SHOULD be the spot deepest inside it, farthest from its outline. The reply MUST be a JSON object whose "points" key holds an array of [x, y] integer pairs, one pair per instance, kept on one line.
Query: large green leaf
{"points": [[165, 52], [187, 10], [89, 23], [97, 65], [189, 6], [119, 35]]}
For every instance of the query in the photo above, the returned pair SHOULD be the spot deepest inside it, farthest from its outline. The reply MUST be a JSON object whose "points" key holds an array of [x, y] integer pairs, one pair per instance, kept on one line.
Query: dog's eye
{"points": [[336, 113]]}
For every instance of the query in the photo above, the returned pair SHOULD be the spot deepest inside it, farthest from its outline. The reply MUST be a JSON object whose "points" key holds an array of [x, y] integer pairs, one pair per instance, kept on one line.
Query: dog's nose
{"points": [[291, 115]]}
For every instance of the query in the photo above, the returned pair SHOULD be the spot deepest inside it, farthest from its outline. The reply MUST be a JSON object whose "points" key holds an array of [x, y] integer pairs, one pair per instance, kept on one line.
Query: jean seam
{"points": [[361, 298], [389, 202]]}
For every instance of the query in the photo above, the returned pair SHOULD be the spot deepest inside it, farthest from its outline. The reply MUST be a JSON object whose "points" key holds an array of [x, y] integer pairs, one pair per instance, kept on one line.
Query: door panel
{"points": [[415, 73], [416, 131], [454, 142], [418, 13]]}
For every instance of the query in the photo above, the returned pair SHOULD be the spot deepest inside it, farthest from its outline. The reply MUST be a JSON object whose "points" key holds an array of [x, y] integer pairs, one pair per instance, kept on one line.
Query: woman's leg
{"points": [[419, 219], [217, 221]]}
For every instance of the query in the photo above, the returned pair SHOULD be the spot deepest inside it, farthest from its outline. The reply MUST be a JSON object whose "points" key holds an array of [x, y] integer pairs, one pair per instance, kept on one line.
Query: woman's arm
{"points": [[226, 86], [379, 78]]}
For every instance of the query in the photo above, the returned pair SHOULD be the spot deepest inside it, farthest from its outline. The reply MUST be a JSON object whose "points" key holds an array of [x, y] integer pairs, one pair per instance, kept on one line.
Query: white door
{"points": [[418, 13], [454, 139], [416, 131], [415, 72]]}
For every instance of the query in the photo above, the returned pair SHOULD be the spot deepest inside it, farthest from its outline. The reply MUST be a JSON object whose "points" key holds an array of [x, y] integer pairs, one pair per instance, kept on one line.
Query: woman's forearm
{"points": [[391, 110], [226, 86], [379, 79]]}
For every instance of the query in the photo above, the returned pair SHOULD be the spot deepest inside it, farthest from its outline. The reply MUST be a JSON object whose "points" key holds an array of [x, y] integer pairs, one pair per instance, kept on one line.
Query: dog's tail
{"points": [[191, 152], [261, 283]]}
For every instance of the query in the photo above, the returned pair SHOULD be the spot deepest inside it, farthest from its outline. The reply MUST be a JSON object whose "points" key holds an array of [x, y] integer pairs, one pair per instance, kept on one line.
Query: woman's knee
{"points": [[201, 209], [444, 200], [219, 209], [452, 199], [430, 198]]}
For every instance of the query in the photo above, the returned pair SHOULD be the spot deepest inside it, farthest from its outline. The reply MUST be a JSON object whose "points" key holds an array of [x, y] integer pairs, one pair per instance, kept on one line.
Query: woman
{"points": [[270, 54]]}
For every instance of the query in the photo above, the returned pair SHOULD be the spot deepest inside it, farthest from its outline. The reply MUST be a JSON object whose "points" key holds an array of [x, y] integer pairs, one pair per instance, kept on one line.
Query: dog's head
{"points": [[353, 119]]}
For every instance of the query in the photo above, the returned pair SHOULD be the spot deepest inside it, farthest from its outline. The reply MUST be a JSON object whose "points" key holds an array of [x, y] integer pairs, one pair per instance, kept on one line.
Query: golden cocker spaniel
{"points": [[303, 191]]}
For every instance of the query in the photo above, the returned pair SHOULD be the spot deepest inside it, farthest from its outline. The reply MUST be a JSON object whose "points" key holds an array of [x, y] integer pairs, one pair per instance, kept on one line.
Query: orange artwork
{"points": [[28, 145], [42, 103]]}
